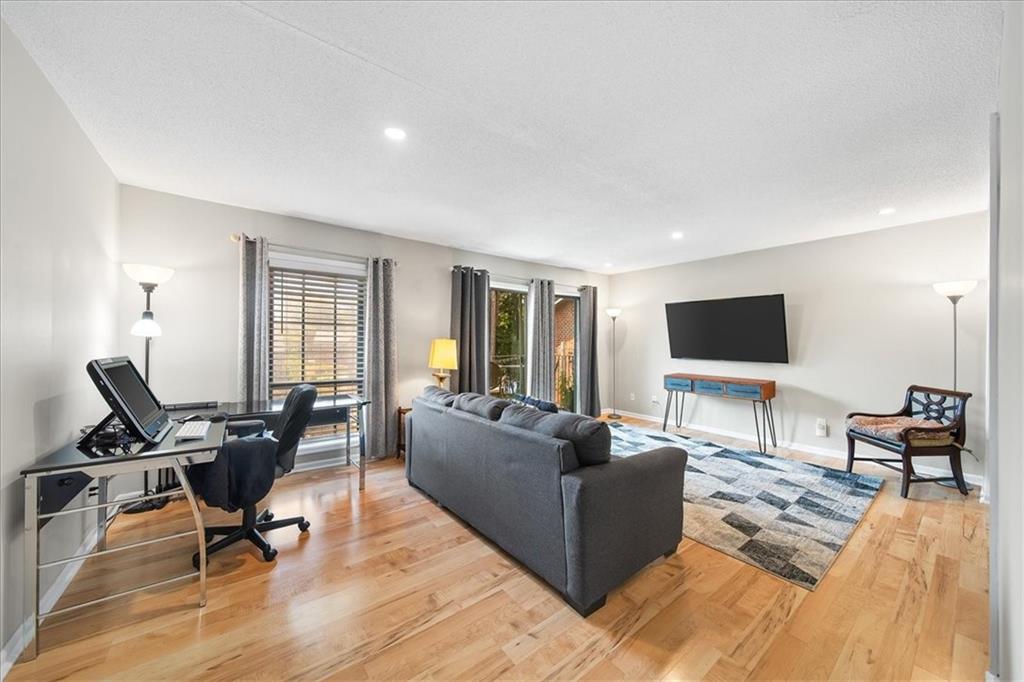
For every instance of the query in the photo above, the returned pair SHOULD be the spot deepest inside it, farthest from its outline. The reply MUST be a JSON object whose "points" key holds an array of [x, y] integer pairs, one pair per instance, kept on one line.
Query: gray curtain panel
{"points": [[589, 395], [541, 361], [469, 327], [381, 360], [253, 325]]}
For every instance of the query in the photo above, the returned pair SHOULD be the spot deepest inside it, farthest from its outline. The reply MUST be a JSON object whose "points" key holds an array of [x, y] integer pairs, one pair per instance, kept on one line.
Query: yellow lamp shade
{"points": [[443, 354]]}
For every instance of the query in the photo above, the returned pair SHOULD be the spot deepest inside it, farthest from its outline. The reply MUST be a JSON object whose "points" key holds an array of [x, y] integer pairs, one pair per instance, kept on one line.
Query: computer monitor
{"points": [[130, 399]]}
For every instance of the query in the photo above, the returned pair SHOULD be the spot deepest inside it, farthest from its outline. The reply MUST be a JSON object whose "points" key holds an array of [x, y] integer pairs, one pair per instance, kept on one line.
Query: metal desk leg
{"points": [[668, 408], [771, 422], [348, 435], [362, 447], [186, 487], [680, 404], [31, 595], [101, 513]]}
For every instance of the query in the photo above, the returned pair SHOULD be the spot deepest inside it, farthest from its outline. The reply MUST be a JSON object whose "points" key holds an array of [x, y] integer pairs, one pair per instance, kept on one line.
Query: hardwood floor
{"points": [[387, 585]]}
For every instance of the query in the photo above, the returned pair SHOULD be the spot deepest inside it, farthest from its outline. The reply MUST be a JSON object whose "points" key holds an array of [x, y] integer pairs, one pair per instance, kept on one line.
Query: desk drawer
{"points": [[743, 391], [674, 384], [711, 387]]}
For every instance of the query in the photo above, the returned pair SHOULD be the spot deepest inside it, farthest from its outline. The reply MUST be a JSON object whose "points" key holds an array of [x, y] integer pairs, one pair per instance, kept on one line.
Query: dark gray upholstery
{"points": [[591, 438], [436, 394], [481, 405], [584, 530]]}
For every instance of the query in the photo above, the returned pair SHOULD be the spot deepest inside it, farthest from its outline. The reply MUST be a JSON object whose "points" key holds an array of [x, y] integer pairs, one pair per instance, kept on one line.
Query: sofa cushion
{"points": [[895, 428], [592, 439], [436, 394], [481, 405]]}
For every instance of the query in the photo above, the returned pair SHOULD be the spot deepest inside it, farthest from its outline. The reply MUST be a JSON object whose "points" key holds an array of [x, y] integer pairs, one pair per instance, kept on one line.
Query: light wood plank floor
{"points": [[387, 585]]}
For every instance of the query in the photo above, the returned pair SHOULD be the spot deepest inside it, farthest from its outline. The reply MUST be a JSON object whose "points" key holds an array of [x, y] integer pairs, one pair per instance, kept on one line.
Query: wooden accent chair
{"points": [[932, 423]]}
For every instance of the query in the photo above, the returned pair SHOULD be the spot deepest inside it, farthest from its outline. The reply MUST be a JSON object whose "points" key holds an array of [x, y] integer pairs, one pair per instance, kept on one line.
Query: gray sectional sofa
{"points": [[546, 490]]}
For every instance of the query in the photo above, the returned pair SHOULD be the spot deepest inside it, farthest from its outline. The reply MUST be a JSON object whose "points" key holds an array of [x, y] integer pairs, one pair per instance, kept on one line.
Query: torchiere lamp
{"points": [[955, 291], [443, 357], [148, 277], [613, 313]]}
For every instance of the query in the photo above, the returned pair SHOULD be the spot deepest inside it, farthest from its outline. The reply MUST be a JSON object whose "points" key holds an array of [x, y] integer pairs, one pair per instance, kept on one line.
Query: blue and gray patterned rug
{"points": [[787, 517]]}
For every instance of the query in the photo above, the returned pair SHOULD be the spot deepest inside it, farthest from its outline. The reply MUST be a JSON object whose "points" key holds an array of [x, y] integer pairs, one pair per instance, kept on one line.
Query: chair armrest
{"points": [[619, 517], [901, 413], [246, 427]]}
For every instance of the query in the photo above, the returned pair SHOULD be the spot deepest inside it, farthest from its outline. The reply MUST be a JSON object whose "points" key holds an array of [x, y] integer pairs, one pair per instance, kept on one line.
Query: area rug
{"points": [[787, 517]]}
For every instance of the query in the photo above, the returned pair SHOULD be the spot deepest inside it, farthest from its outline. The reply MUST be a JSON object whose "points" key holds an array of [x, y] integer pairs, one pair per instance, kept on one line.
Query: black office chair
{"points": [[295, 415]]}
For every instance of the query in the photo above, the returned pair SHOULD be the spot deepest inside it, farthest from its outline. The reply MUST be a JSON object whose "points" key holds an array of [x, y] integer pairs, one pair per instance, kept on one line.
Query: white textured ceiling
{"points": [[568, 133]]}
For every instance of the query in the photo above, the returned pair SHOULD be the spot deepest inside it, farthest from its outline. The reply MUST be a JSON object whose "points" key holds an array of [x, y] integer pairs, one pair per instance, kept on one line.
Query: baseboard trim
{"points": [[973, 479]]}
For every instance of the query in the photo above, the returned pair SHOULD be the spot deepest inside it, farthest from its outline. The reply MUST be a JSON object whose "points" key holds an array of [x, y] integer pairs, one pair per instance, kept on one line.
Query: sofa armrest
{"points": [[618, 518]]}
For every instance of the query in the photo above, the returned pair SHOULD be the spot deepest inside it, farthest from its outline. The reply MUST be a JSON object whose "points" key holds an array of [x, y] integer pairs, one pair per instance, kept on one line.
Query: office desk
{"points": [[326, 410], [71, 459]]}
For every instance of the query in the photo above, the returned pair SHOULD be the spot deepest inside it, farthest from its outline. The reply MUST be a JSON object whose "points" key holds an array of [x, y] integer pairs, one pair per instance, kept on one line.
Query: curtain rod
{"points": [[526, 280], [237, 237]]}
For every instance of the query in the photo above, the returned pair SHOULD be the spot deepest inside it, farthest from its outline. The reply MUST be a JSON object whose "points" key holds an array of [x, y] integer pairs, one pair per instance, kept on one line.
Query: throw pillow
{"points": [[592, 439]]}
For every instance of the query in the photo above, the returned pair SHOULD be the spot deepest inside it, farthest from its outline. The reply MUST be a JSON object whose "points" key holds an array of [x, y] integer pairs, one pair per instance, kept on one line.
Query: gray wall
{"points": [[863, 323], [58, 273], [197, 309], [1008, 508]]}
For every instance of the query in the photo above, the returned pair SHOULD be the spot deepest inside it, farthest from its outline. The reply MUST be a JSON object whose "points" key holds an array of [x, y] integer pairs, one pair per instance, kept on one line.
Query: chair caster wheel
{"points": [[195, 561], [304, 526], [268, 515], [209, 537], [269, 554]]}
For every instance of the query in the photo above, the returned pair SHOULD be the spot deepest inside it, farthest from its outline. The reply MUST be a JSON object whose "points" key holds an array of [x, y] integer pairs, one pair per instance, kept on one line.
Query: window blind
{"points": [[317, 326]]}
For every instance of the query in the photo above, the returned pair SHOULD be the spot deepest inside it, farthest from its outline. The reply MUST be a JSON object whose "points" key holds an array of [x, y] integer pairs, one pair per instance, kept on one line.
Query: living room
{"points": [[564, 340]]}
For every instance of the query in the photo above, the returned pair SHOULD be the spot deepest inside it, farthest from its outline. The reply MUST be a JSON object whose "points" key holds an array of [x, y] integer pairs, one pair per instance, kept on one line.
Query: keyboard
{"points": [[192, 431]]}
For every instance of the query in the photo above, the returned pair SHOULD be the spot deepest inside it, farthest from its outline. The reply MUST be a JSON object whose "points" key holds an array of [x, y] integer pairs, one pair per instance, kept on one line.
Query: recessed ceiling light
{"points": [[888, 210], [677, 235], [608, 265], [396, 134]]}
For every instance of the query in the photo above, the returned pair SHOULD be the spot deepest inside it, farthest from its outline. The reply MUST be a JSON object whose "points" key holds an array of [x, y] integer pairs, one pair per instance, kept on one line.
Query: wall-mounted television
{"points": [[749, 328]]}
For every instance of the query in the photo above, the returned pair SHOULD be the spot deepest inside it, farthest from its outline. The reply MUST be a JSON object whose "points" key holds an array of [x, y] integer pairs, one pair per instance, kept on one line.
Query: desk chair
{"points": [[298, 408]]}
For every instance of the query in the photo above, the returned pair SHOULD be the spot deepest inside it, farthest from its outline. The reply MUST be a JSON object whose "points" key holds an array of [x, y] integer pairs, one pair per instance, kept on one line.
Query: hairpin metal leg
{"points": [[197, 515], [680, 402], [668, 408], [757, 427], [771, 423]]}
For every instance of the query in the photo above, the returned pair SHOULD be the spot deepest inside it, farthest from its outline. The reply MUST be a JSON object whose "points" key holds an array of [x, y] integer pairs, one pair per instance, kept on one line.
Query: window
{"points": [[566, 325], [508, 342], [317, 322]]}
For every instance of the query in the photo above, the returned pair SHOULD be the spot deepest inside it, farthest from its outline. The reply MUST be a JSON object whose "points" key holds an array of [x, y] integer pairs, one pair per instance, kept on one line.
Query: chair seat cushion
{"points": [[894, 429]]}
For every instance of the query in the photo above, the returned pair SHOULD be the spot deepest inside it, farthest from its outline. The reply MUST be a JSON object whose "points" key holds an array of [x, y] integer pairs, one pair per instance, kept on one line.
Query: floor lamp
{"points": [[955, 291], [613, 313], [148, 277]]}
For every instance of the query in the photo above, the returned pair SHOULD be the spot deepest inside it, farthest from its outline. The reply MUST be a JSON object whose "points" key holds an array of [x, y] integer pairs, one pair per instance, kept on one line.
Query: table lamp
{"points": [[443, 357]]}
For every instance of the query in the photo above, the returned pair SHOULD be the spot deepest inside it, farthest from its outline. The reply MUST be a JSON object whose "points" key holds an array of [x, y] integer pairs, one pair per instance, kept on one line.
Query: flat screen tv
{"points": [[750, 328]]}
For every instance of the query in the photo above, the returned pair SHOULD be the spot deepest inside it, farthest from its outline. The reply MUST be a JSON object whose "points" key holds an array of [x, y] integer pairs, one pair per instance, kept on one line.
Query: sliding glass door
{"points": [[566, 332], [508, 342]]}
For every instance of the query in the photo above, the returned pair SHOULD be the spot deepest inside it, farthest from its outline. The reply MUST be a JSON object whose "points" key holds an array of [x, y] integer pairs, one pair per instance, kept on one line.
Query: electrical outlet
{"points": [[654, 400], [632, 396], [821, 428]]}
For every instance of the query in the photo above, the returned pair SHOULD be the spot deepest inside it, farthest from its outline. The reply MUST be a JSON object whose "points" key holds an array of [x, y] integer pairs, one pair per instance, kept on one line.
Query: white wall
{"points": [[1007, 563], [58, 273], [196, 358], [863, 324]]}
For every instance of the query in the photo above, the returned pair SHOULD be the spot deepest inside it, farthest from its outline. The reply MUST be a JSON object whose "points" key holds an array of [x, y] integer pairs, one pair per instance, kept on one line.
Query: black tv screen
{"points": [[750, 328]]}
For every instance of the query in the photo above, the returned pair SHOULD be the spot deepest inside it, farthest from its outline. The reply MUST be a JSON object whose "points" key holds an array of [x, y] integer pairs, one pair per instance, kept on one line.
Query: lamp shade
{"points": [[147, 326], [960, 288], [613, 312], [147, 274], [443, 354]]}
